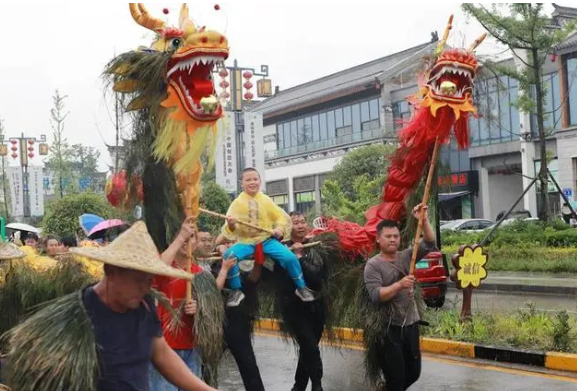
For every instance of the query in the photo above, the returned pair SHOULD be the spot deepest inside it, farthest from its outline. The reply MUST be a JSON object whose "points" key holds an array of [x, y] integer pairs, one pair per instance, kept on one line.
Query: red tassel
{"points": [[259, 254]]}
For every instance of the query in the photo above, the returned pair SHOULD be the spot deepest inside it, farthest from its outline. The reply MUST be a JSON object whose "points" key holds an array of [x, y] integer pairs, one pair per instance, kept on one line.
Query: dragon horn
{"points": [[143, 18], [477, 42], [443, 41], [185, 23]]}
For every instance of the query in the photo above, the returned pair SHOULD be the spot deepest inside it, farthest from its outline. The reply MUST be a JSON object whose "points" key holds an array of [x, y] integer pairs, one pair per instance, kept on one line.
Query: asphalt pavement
{"points": [[343, 371]]}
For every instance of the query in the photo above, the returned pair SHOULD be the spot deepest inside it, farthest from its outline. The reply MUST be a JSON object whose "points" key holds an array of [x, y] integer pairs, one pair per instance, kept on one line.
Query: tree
{"points": [[528, 33], [370, 160], [335, 203], [85, 166], [215, 199], [59, 163], [61, 217]]}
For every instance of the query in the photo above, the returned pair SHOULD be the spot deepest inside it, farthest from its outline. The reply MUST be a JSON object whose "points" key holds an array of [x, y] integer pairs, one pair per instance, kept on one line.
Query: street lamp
{"points": [[24, 145], [237, 100]]}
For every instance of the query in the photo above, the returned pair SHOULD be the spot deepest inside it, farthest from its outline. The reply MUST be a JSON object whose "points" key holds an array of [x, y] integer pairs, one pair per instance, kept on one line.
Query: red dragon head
{"points": [[450, 79], [196, 51]]}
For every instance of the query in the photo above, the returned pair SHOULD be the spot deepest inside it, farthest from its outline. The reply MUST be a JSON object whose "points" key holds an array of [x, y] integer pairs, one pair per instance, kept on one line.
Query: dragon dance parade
{"points": [[219, 252]]}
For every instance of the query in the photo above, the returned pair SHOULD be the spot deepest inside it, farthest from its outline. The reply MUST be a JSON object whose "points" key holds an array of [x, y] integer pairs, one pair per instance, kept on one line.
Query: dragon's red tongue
{"points": [[202, 88]]}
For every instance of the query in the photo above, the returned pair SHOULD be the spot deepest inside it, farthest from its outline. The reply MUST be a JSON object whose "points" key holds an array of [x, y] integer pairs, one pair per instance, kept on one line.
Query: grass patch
{"points": [[528, 258], [528, 328]]}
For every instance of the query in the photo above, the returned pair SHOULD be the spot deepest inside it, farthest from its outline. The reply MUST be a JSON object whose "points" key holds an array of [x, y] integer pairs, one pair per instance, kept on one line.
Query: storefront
{"points": [[456, 191]]}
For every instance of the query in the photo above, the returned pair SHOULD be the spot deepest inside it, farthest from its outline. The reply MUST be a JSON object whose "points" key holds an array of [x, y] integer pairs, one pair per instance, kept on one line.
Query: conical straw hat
{"points": [[10, 251], [133, 249]]}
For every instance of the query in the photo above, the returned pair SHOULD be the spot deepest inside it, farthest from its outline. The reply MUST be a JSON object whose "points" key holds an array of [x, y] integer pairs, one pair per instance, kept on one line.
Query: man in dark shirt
{"points": [[127, 331], [304, 321], [390, 286]]}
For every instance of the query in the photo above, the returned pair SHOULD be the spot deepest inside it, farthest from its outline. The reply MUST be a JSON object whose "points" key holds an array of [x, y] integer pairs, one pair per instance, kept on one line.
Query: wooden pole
{"points": [[190, 218], [208, 212], [425, 201]]}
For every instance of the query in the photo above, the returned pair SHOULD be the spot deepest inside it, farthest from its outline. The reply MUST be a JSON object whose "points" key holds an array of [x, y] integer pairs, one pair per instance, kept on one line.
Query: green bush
{"points": [[61, 218]]}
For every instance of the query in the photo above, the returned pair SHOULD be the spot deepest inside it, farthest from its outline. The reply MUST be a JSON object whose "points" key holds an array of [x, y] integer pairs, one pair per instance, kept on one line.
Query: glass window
{"points": [[356, 118], [308, 131], [504, 112], [300, 131], [556, 101], [287, 135], [344, 131], [305, 201], [374, 108], [331, 124], [323, 125], [316, 129], [339, 118], [515, 127], [294, 134], [281, 200], [549, 122], [279, 136], [494, 119], [365, 115], [570, 76], [347, 116]]}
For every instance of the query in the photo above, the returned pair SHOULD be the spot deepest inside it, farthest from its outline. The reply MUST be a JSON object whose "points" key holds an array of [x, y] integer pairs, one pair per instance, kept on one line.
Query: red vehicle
{"points": [[432, 273]]}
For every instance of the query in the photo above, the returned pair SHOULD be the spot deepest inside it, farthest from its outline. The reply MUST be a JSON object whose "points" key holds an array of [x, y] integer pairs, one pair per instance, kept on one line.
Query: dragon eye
{"points": [[176, 42]]}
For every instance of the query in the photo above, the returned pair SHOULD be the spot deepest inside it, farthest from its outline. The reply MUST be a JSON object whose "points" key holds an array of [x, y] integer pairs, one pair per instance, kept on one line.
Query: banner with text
{"points": [[35, 190], [254, 144], [16, 190], [226, 175]]}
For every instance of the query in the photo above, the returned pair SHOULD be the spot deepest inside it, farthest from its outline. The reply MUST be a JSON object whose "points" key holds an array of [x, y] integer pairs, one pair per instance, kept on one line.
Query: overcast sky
{"points": [[65, 46]]}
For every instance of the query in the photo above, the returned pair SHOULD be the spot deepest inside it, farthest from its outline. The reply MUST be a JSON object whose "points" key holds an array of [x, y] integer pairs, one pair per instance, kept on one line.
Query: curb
{"points": [[549, 360], [552, 290]]}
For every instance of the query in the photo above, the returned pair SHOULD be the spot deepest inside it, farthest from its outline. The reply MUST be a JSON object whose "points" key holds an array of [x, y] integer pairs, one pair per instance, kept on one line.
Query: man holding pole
{"points": [[390, 285]]}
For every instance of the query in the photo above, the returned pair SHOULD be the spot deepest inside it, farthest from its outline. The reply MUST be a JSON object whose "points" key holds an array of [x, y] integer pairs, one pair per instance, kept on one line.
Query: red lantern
{"points": [[14, 142], [225, 95], [14, 156], [31, 149], [247, 75], [248, 96], [216, 7], [553, 57], [224, 84], [30, 155], [248, 85], [30, 141], [165, 11], [223, 72], [117, 191], [14, 149]]}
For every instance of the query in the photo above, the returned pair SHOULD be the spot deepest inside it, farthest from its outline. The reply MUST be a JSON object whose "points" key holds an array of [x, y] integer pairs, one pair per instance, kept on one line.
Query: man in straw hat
{"points": [[105, 336]]}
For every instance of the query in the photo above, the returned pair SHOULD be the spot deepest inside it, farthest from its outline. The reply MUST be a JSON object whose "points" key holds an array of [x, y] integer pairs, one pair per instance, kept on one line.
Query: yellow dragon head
{"points": [[194, 54]]}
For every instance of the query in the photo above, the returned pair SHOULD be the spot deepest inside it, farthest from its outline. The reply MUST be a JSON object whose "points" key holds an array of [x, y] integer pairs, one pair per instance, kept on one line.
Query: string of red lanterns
{"points": [[248, 85]]}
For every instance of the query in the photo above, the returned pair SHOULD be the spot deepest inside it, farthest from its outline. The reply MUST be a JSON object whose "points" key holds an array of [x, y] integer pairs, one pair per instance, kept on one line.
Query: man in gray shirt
{"points": [[390, 285]]}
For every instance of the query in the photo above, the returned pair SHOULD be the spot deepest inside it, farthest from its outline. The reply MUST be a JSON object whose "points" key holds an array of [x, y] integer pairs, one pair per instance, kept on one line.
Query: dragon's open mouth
{"points": [[450, 83], [191, 76]]}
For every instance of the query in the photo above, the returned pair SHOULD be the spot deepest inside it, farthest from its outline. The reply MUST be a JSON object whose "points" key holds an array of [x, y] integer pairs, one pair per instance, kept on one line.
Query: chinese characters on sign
{"points": [[453, 180], [470, 266], [226, 174], [36, 194], [459, 181], [16, 190], [254, 143]]}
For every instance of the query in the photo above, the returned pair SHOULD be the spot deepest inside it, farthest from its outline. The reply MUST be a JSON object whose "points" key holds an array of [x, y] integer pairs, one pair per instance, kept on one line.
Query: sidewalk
{"points": [[559, 284]]}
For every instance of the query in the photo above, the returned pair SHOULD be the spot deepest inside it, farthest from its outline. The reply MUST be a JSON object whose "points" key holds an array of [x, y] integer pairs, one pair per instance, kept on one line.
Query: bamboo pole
{"points": [[214, 214], [424, 203], [189, 218], [217, 258]]}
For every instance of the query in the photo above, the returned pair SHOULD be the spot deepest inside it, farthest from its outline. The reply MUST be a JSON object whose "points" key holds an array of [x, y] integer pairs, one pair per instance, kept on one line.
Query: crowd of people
{"points": [[138, 349]]}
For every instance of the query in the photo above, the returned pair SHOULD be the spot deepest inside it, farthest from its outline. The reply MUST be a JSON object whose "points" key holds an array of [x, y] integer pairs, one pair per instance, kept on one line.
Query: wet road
{"points": [[509, 302], [344, 372]]}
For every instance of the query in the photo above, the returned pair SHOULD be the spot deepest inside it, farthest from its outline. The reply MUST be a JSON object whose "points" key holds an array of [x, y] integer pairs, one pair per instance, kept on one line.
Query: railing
{"points": [[366, 135]]}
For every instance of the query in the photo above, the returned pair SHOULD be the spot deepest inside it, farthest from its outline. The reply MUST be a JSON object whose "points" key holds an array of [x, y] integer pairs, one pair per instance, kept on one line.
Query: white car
{"points": [[510, 221], [467, 225]]}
